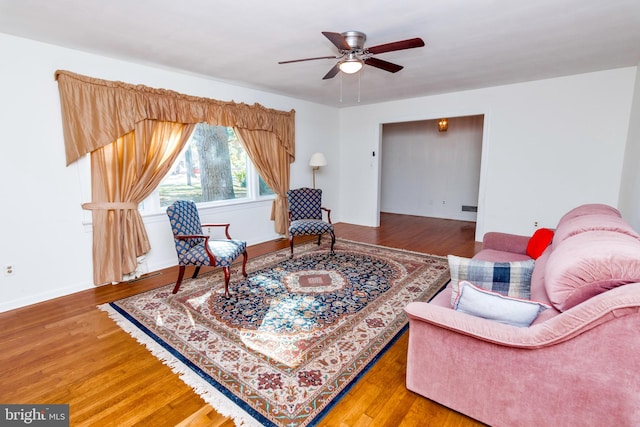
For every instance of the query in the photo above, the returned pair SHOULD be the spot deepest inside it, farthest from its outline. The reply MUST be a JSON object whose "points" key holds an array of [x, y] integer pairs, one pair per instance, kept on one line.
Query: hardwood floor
{"points": [[67, 351]]}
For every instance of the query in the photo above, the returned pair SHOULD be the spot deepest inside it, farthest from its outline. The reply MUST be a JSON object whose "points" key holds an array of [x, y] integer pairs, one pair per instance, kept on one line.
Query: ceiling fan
{"points": [[353, 55]]}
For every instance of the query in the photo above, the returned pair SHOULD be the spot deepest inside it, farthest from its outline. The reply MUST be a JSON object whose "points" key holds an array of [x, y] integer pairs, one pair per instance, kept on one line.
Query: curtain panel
{"points": [[273, 167], [123, 174], [134, 133]]}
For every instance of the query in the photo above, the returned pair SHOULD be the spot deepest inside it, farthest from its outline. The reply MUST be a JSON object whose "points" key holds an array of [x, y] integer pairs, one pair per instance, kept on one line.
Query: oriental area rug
{"points": [[295, 335]]}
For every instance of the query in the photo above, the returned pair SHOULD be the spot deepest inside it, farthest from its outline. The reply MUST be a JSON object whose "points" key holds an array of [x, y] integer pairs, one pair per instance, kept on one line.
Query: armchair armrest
{"points": [[225, 225], [191, 236], [212, 257], [608, 306], [328, 211], [505, 242]]}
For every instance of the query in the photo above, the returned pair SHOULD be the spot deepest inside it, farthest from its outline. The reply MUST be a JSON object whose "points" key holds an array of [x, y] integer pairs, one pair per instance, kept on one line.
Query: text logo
{"points": [[34, 415]]}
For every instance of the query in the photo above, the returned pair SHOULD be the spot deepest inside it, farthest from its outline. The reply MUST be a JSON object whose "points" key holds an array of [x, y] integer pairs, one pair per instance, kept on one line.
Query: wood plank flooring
{"points": [[67, 351]]}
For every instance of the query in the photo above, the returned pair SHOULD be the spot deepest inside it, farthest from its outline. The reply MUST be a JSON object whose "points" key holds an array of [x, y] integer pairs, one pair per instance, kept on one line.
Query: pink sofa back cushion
{"points": [[588, 264], [499, 256], [580, 224], [590, 209]]}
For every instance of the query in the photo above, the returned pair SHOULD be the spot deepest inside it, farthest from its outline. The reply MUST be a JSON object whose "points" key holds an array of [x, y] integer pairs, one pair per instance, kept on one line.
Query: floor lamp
{"points": [[317, 160]]}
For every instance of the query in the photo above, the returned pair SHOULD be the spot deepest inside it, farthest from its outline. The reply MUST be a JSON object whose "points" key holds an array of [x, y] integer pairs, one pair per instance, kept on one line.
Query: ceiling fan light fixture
{"points": [[352, 54], [351, 65]]}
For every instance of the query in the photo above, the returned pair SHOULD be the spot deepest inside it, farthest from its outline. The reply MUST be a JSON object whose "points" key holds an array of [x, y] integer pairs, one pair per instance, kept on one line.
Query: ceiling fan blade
{"points": [[384, 65], [399, 45], [308, 59], [332, 72], [337, 39]]}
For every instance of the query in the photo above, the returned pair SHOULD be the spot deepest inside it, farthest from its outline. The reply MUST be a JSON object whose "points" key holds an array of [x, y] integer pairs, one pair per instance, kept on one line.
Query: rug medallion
{"points": [[295, 334]]}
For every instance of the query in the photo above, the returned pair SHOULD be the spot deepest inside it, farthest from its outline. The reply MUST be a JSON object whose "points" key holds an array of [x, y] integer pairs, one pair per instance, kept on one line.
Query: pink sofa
{"points": [[577, 364]]}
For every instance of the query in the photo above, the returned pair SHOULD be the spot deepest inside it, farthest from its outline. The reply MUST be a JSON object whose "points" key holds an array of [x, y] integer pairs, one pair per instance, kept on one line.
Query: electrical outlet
{"points": [[9, 270], [535, 223]]}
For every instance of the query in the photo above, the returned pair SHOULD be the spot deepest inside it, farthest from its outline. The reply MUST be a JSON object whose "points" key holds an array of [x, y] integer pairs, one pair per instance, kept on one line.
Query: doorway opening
{"points": [[432, 173]]}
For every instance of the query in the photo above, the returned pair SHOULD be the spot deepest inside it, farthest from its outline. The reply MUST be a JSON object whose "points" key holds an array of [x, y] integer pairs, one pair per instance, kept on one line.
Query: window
{"points": [[213, 167]]}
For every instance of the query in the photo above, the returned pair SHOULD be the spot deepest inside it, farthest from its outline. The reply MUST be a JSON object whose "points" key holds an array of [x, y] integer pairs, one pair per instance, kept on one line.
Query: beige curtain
{"points": [[272, 162], [123, 174], [95, 113]]}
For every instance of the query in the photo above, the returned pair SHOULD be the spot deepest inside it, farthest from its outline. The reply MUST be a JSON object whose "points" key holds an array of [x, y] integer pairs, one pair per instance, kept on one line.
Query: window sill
{"points": [[203, 208]]}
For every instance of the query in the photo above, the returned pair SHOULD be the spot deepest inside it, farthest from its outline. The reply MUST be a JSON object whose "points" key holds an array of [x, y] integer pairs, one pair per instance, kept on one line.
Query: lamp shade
{"points": [[317, 160]]}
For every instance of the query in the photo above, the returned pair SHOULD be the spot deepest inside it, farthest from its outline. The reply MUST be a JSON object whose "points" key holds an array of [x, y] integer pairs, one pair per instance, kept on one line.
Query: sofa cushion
{"points": [[494, 255], [592, 222], [590, 209], [494, 306], [539, 241], [588, 264], [507, 278]]}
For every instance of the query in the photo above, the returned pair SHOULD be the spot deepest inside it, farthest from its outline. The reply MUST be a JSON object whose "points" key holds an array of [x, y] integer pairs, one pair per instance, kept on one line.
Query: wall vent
{"points": [[466, 208]]}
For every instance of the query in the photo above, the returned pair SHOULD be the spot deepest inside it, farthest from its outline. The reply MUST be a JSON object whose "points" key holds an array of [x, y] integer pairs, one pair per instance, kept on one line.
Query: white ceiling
{"points": [[469, 43]]}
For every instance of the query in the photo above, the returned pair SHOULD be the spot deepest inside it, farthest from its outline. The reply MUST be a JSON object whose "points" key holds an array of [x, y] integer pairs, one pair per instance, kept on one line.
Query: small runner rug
{"points": [[295, 335]]}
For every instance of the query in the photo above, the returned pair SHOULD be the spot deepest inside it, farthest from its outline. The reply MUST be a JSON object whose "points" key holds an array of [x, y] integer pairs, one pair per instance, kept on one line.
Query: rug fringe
{"points": [[210, 395]]}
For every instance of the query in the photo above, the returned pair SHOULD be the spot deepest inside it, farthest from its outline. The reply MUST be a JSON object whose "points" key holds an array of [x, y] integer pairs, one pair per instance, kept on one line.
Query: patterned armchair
{"points": [[197, 249], [305, 215]]}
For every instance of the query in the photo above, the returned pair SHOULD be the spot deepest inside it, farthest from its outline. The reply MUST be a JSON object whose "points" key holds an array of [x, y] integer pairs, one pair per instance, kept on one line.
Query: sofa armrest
{"points": [[505, 242], [557, 367], [616, 303]]}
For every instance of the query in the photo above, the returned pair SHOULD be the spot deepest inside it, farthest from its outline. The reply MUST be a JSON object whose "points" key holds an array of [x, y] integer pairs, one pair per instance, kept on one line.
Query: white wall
{"points": [[430, 173], [44, 234], [630, 185], [548, 146]]}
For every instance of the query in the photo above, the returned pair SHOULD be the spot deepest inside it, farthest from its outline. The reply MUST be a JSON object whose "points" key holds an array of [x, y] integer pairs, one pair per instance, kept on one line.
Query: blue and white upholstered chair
{"points": [[305, 215], [197, 249]]}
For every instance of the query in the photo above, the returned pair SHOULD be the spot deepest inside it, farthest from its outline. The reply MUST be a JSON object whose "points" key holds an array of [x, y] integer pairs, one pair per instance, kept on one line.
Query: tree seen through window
{"points": [[212, 167]]}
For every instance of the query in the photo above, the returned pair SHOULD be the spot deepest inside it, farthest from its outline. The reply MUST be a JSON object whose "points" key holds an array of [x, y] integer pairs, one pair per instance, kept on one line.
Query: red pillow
{"points": [[539, 242]]}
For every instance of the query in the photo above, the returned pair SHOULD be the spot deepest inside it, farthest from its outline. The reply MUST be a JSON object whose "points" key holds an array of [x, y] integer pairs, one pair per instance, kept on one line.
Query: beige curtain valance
{"points": [[97, 112]]}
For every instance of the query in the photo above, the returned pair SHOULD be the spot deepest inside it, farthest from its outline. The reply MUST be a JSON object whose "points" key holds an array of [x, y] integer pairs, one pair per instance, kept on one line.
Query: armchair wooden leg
{"points": [[227, 275], [291, 245], [179, 281], [244, 264], [333, 240], [319, 238], [195, 273]]}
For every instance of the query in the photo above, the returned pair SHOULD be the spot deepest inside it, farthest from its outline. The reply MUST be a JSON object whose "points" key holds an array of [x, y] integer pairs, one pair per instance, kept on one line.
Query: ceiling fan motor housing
{"points": [[355, 39]]}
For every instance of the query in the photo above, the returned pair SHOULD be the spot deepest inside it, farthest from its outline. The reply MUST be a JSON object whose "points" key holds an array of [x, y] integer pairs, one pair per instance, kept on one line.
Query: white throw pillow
{"points": [[494, 306]]}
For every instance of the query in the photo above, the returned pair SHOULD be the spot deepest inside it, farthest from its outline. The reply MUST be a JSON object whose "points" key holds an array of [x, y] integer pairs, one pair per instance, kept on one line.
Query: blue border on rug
{"points": [[235, 399], [366, 369], [357, 378], [248, 409]]}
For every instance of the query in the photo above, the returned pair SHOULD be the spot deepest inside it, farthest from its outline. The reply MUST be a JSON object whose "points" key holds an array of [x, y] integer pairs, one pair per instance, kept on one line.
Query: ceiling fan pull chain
{"points": [[359, 75], [340, 87]]}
